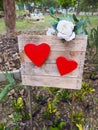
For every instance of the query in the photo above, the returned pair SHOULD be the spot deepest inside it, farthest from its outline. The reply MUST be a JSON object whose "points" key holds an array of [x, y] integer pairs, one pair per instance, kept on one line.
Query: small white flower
{"points": [[50, 32], [11, 116], [65, 30]]}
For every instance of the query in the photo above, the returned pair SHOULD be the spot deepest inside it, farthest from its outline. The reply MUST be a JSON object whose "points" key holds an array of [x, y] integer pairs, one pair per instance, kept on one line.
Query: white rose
{"points": [[50, 32], [65, 30]]}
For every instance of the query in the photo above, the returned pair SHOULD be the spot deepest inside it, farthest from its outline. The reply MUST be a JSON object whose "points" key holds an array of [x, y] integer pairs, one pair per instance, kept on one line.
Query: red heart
{"points": [[37, 53], [65, 66]]}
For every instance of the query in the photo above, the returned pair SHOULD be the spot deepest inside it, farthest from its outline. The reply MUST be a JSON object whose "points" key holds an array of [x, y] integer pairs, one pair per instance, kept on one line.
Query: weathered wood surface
{"points": [[56, 44], [48, 70], [73, 55], [47, 74], [60, 82]]}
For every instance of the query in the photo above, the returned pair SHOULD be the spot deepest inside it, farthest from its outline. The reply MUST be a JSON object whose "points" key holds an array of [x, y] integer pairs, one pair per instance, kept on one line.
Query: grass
{"points": [[22, 25], [30, 26], [27, 25], [2, 26], [94, 21]]}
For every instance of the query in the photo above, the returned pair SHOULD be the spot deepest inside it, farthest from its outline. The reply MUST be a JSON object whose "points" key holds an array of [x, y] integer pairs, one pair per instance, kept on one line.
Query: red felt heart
{"points": [[65, 66], [37, 53]]}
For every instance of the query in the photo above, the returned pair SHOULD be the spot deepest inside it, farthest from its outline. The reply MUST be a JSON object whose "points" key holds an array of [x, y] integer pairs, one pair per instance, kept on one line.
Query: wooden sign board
{"points": [[47, 74]]}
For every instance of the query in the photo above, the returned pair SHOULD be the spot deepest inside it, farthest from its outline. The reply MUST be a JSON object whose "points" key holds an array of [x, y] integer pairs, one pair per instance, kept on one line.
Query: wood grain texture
{"points": [[58, 82], [56, 44], [47, 74], [73, 55], [48, 70]]}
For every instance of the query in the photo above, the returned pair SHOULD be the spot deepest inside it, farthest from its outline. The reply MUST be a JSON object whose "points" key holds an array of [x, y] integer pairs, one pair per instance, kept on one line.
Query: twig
{"points": [[72, 109], [30, 107]]}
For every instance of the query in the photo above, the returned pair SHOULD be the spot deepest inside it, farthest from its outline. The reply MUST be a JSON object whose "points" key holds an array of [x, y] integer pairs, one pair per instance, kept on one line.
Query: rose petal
{"points": [[67, 38], [71, 37], [50, 32]]}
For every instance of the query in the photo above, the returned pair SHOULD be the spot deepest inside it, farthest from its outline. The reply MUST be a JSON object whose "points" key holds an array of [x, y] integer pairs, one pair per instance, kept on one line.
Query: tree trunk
{"points": [[78, 6], [10, 15]]}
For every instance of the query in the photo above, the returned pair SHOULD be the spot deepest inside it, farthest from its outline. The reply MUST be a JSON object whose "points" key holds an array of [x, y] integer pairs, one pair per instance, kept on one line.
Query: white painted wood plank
{"points": [[48, 70], [71, 83], [55, 43], [77, 56]]}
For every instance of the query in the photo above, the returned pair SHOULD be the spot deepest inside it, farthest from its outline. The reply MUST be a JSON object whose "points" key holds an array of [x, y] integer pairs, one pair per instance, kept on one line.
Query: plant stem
{"points": [[73, 97], [30, 107]]}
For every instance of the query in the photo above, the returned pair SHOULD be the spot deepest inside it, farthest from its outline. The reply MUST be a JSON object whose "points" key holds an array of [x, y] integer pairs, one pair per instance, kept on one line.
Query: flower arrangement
{"points": [[67, 27]]}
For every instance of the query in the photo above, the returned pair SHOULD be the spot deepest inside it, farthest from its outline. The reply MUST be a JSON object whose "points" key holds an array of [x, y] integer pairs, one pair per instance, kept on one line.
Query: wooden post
{"points": [[30, 107], [72, 109]]}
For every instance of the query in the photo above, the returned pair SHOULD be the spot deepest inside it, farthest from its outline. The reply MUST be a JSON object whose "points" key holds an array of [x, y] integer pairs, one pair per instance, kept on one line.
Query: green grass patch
{"points": [[2, 26], [27, 25], [22, 25], [94, 21]]}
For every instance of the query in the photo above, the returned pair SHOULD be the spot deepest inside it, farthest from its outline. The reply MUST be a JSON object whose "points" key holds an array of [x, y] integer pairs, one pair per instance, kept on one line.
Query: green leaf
{"points": [[80, 27], [54, 25], [75, 18], [61, 125], [58, 19], [5, 91], [81, 23], [94, 37], [9, 78], [54, 128], [51, 10], [2, 126], [80, 31], [86, 32], [79, 126], [62, 18]]}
